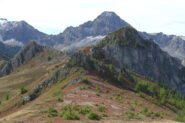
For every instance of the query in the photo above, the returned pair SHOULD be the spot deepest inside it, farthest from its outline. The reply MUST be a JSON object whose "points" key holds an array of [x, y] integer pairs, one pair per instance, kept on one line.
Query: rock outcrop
{"points": [[174, 45], [128, 49], [23, 56]]}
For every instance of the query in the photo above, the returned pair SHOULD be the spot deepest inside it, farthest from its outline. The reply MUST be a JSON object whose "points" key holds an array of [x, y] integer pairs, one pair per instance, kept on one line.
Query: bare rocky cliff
{"points": [[128, 49]]}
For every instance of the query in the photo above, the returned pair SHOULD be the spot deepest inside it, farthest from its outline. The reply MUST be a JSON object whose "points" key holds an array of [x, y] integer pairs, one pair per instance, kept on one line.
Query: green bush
{"points": [[132, 115], [7, 97], [104, 115], [97, 94], [84, 87], [163, 95], [23, 90], [85, 79], [70, 115], [117, 96], [111, 69], [101, 108], [60, 99], [107, 91], [93, 116], [52, 112], [141, 86], [98, 89], [180, 116], [120, 78], [145, 111], [49, 58], [84, 110], [132, 109], [70, 112]]}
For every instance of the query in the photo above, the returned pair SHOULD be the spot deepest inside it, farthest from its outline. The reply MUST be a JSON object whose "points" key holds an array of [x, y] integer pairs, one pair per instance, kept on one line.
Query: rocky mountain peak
{"points": [[127, 49], [104, 24], [110, 20], [126, 36], [108, 14]]}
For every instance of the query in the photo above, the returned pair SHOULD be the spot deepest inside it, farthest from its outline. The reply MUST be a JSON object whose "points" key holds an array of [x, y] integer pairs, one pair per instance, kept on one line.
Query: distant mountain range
{"points": [[20, 33]]}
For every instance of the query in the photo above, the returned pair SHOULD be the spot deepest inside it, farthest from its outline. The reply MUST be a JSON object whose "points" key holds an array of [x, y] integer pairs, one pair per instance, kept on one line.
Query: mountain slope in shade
{"points": [[8, 51], [174, 45], [126, 48], [23, 56]]}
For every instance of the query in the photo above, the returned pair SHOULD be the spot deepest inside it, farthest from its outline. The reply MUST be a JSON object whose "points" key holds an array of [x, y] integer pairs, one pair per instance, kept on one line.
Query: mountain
{"points": [[105, 23], [18, 32], [126, 48], [174, 45], [62, 88], [108, 81], [23, 56], [8, 51], [183, 62]]}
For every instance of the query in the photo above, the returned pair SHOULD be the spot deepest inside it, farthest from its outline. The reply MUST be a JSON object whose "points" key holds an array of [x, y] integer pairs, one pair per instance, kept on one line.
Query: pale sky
{"points": [[53, 16]]}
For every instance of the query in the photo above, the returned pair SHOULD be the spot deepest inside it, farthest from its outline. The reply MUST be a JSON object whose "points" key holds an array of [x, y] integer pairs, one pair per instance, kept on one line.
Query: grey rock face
{"points": [[23, 56], [8, 51], [105, 23], [174, 45], [127, 48], [183, 62], [57, 76]]}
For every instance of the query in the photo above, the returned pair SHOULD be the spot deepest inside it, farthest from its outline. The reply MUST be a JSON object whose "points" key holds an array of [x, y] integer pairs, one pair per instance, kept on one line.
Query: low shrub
{"points": [[148, 113], [93, 116], [101, 108], [23, 90], [132, 115], [70, 115], [60, 99], [180, 116], [52, 112], [84, 110]]}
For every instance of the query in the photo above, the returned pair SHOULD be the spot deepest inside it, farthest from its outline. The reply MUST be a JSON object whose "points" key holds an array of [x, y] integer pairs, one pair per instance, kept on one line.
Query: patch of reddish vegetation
{"points": [[115, 109]]}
